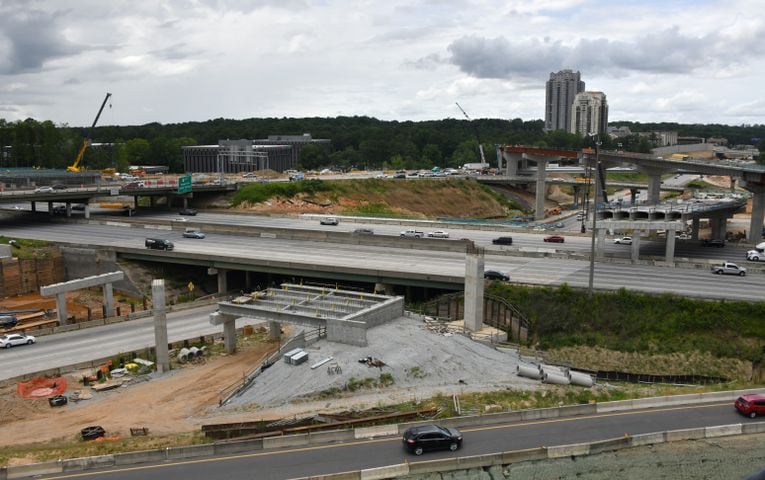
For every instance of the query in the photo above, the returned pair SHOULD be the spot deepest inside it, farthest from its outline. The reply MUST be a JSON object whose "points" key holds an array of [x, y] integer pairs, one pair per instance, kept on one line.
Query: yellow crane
{"points": [[75, 167]]}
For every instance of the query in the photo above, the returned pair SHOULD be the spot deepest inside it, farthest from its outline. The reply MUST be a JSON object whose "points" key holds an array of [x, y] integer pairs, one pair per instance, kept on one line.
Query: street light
{"points": [[596, 179]]}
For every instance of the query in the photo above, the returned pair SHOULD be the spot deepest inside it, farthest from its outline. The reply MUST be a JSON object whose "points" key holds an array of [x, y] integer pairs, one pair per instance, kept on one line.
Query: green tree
{"points": [[137, 151], [431, 155], [313, 157]]}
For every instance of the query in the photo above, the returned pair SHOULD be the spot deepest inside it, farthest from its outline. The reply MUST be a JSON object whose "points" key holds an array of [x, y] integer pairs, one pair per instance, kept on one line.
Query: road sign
{"points": [[184, 184]]}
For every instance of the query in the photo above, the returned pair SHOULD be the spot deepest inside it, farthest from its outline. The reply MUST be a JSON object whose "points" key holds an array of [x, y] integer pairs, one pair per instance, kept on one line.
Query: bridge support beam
{"points": [[108, 292], [635, 247], [633, 196], [539, 209], [474, 283], [577, 193], [513, 162], [274, 330], [50, 208], [222, 278], [719, 226], [160, 325], [695, 222], [654, 188], [34, 206], [61, 311], [669, 251], [601, 234], [229, 329], [87, 209], [758, 211]]}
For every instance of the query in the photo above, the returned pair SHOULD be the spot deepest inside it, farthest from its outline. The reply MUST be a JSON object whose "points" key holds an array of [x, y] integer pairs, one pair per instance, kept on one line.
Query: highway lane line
{"points": [[383, 440]]}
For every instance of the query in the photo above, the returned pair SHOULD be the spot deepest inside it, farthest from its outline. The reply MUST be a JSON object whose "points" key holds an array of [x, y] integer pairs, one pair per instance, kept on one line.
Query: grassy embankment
{"points": [[386, 197], [643, 333], [26, 249]]}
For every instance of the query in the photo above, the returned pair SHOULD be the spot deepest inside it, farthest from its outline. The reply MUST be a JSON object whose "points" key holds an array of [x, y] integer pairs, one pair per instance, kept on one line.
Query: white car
{"points": [[755, 256], [438, 234], [13, 339], [46, 189], [329, 221], [623, 241]]}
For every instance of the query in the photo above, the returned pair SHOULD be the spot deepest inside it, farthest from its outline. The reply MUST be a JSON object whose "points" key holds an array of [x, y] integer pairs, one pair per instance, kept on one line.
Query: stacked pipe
{"points": [[555, 375]]}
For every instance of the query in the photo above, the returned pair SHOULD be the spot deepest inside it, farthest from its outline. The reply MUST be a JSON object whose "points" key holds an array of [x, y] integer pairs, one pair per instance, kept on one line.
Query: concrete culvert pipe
{"points": [[183, 355], [561, 371], [529, 371], [556, 379], [581, 379], [194, 352]]}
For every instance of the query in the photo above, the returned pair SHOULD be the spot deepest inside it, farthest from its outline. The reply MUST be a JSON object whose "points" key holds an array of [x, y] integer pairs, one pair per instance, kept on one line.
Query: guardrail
{"points": [[382, 431]]}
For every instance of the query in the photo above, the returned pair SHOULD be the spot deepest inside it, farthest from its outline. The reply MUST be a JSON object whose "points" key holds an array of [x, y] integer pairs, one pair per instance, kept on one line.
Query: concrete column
{"points": [[695, 221], [513, 161], [601, 234], [222, 278], [577, 192], [87, 209], [633, 196], [539, 210], [499, 161], [61, 309], [758, 213], [247, 280], [719, 226], [34, 206], [229, 336], [152, 201], [185, 202], [635, 252], [160, 325], [654, 189], [50, 208], [274, 330], [669, 252], [68, 209], [108, 299], [474, 288], [384, 288]]}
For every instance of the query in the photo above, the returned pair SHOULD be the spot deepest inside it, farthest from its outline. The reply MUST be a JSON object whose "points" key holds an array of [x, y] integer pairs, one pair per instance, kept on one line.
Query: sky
{"points": [[686, 61]]}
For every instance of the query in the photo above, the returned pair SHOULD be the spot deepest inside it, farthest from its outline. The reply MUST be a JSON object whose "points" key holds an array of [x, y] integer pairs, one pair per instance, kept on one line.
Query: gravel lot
{"points": [[421, 362]]}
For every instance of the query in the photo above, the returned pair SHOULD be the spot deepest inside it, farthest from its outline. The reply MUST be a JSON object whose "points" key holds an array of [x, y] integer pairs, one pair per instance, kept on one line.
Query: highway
{"points": [[389, 262], [53, 351], [323, 459]]}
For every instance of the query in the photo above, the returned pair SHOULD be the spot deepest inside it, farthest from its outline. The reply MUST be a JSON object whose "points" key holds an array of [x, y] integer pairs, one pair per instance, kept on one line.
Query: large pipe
{"points": [[529, 371], [557, 379], [561, 371], [581, 379], [183, 355]]}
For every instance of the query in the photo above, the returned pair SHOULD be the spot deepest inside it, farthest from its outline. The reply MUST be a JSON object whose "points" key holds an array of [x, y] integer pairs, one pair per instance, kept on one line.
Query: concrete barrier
{"points": [[527, 454], [479, 461], [685, 434], [285, 441], [722, 431], [190, 451], [142, 456], [647, 439], [372, 432], [428, 466], [575, 410], [577, 449], [540, 414], [756, 427], [86, 463], [228, 448], [332, 436], [381, 473], [34, 469], [610, 445]]}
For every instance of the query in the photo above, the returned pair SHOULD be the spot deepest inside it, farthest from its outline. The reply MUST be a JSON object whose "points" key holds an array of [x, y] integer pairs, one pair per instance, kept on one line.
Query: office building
{"points": [[561, 90], [589, 113]]}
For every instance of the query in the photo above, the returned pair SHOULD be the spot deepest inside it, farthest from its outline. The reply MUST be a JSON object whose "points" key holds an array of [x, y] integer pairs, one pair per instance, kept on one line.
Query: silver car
{"points": [[193, 234], [13, 339]]}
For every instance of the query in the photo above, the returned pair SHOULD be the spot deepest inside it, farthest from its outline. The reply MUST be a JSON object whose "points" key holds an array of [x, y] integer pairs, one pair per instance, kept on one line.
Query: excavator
{"points": [[75, 167]]}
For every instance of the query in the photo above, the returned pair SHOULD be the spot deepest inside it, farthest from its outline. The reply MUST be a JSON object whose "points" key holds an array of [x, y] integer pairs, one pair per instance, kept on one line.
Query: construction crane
{"points": [[75, 167], [480, 147]]}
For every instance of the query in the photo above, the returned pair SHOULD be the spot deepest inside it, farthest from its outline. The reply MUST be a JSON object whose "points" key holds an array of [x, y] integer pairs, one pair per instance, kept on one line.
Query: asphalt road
{"points": [[312, 256], [317, 460], [52, 351]]}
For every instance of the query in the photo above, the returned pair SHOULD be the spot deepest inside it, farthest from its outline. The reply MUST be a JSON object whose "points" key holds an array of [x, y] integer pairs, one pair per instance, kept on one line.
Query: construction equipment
{"points": [[480, 147], [75, 167]]}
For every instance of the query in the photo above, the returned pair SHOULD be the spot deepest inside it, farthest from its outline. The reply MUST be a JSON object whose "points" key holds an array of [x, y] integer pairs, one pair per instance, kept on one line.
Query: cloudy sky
{"points": [[688, 61]]}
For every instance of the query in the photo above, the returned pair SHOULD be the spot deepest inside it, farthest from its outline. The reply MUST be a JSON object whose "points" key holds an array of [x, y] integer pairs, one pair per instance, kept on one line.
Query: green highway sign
{"points": [[184, 184]]}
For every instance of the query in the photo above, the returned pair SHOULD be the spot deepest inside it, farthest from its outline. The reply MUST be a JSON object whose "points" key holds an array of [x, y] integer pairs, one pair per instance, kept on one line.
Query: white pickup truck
{"points": [[728, 268], [412, 233]]}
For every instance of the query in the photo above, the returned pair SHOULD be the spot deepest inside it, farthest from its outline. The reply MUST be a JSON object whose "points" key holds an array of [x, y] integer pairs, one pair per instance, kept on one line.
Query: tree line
{"points": [[358, 141]]}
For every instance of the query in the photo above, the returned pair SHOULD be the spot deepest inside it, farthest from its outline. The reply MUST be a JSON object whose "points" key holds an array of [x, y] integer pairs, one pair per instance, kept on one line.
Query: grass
{"points": [[26, 249], [701, 185]]}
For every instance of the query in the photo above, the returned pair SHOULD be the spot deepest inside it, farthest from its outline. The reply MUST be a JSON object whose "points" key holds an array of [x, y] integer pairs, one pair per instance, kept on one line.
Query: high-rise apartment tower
{"points": [[589, 113], [561, 90]]}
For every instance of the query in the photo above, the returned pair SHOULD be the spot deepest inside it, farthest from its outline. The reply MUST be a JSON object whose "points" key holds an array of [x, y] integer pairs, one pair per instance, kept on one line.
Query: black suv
{"points": [[8, 321], [187, 211], [503, 241], [431, 437], [495, 275], [715, 242]]}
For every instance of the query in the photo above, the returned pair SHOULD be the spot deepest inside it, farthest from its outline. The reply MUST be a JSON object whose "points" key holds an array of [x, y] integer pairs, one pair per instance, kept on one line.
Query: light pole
{"points": [[596, 178]]}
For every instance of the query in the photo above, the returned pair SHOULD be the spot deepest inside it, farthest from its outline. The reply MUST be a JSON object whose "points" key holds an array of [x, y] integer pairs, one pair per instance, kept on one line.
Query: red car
{"points": [[554, 239], [751, 405]]}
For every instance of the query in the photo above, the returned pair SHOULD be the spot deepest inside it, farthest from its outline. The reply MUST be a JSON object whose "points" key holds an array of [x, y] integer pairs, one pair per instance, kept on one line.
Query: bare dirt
{"points": [[177, 402]]}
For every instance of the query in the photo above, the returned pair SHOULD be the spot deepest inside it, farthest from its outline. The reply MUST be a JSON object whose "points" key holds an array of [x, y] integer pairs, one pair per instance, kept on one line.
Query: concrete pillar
{"points": [[719, 226], [229, 336], [34, 206], [160, 325], [474, 288], [635, 251], [68, 209], [247, 280], [695, 228], [633, 196], [384, 289], [87, 209], [513, 161], [222, 278], [152, 201], [669, 252], [499, 161], [601, 234], [274, 330], [108, 299], [654, 188], [577, 192], [185, 202], [50, 208], [61, 309], [758, 213], [539, 210]]}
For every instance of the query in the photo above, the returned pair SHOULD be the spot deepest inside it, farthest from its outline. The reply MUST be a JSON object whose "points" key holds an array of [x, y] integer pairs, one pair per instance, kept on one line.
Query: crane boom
{"points": [[480, 147], [75, 167]]}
